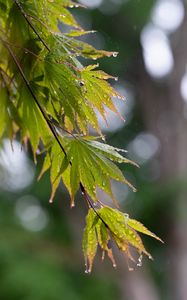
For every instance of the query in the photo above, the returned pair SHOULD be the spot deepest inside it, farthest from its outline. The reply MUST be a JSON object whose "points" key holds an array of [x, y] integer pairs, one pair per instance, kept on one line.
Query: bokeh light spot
{"points": [[168, 14], [30, 213], [16, 170], [156, 52]]}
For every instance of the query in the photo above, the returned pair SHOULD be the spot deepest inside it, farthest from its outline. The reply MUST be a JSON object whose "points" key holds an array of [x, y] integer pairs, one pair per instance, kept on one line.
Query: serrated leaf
{"points": [[64, 85], [92, 167], [57, 158], [124, 230], [141, 228], [74, 173], [111, 152], [5, 120], [74, 33], [123, 234], [98, 91], [46, 165], [89, 242], [33, 123]]}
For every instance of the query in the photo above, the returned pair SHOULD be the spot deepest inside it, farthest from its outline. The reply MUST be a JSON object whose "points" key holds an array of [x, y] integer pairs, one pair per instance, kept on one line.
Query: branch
{"points": [[30, 24], [33, 95]]}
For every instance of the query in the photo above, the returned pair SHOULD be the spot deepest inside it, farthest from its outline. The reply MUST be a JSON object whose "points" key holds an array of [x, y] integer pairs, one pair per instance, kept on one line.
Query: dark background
{"points": [[40, 244]]}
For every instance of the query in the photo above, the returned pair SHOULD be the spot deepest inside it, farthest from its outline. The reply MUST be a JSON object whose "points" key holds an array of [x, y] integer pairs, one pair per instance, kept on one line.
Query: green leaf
{"points": [[33, 123], [5, 120], [46, 166], [103, 238], [89, 242], [57, 158], [92, 167], [123, 230], [98, 91], [111, 152], [141, 228]]}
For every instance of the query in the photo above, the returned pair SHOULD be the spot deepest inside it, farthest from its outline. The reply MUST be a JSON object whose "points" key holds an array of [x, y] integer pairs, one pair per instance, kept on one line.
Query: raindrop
{"points": [[115, 54], [139, 264]]}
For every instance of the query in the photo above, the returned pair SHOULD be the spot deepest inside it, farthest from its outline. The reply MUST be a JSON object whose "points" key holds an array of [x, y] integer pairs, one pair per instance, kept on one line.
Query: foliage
{"points": [[48, 98]]}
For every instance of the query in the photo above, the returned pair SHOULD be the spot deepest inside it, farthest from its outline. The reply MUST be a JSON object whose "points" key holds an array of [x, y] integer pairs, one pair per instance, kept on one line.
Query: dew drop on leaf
{"points": [[139, 264], [115, 54]]}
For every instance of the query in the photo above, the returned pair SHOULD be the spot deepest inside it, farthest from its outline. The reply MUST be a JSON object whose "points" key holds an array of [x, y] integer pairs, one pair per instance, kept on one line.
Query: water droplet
{"points": [[116, 78], [115, 54], [114, 265], [50, 200], [139, 264]]}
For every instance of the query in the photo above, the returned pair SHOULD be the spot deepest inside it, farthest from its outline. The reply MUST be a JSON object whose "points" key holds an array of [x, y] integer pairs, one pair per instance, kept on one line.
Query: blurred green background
{"points": [[40, 243]]}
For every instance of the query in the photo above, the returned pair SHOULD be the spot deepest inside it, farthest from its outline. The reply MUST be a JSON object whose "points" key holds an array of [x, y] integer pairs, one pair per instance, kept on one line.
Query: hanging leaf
{"points": [[111, 224], [89, 242]]}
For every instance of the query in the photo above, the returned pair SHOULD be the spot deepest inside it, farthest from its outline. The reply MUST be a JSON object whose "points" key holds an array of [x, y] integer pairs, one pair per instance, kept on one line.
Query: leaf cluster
{"points": [[49, 99], [105, 225]]}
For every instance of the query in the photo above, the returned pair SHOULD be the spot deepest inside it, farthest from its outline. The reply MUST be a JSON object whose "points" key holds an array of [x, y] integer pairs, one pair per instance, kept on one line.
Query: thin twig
{"points": [[30, 24], [24, 49], [91, 205], [34, 97]]}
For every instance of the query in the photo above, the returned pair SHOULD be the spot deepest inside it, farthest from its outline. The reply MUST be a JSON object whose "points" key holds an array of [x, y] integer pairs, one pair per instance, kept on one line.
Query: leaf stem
{"points": [[91, 205]]}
